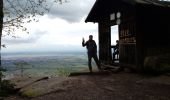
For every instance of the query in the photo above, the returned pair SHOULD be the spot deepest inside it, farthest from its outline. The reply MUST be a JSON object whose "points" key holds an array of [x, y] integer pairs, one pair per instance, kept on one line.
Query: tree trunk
{"points": [[1, 26]]}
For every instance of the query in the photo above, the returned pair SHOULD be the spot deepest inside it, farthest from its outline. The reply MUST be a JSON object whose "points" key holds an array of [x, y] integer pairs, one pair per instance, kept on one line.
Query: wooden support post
{"points": [[105, 41]]}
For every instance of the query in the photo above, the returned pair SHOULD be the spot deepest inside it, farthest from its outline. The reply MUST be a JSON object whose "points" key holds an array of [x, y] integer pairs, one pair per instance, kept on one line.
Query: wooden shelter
{"points": [[144, 29]]}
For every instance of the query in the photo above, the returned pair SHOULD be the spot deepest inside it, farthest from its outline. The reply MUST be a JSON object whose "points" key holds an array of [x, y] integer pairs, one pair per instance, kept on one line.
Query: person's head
{"points": [[117, 41], [90, 37]]}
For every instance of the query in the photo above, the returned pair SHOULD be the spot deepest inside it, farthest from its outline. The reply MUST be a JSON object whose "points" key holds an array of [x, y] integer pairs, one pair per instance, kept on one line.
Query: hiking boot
{"points": [[91, 71]]}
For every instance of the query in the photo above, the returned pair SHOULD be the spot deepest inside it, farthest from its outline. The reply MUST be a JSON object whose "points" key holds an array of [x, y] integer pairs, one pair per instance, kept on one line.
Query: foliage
{"points": [[1, 70], [1, 73], [6, 88]]}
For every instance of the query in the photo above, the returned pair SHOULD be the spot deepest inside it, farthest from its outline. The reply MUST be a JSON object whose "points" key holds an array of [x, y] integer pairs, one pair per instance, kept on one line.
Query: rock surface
{"points": [[97, 86]]}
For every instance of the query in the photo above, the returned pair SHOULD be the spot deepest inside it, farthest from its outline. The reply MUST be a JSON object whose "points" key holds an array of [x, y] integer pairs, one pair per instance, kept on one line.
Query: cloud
{"points": [[72, 11], [54, 31], [63, 32], [24, 38]]}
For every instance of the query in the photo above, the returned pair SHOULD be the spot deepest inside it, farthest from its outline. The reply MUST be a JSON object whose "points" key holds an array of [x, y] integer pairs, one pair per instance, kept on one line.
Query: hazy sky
{"points": [[61, 29]]}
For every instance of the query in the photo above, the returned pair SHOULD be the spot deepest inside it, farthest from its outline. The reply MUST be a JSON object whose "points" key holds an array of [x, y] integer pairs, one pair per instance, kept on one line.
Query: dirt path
{"points": [[120, 86]]}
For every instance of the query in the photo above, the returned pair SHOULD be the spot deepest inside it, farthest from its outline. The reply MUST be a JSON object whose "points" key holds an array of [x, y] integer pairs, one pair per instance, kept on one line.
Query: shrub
{"points": [[6, 88]]}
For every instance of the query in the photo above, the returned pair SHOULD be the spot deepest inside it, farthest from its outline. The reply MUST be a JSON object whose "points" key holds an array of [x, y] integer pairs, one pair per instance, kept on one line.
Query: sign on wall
{"points": [[127, 33]]}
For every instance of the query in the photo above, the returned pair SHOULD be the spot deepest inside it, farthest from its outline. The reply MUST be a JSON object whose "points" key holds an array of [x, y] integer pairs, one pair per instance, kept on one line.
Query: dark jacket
{"points": [[91, 46]]}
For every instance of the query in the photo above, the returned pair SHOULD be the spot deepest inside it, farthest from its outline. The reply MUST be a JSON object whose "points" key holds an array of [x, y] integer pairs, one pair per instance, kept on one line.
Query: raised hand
{"points": [[83, 40]]}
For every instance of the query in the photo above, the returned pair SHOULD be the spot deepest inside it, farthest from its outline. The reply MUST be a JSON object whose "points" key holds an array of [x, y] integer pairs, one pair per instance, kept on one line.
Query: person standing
{"points": [[116, 50], [91, 52]]}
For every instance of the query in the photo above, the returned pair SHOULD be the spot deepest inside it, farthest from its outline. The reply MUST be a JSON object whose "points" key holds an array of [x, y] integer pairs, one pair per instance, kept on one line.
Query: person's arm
{"points": [[95, 47], [116, 47], [83, 43]]}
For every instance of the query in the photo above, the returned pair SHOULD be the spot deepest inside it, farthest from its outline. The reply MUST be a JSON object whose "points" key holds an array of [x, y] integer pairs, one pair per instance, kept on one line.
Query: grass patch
{"points": [[64, 71], [30, 93]]}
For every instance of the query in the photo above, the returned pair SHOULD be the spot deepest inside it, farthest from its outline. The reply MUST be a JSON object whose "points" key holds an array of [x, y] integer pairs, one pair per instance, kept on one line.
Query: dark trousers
{"points": [[94, 56], [114, 54]]}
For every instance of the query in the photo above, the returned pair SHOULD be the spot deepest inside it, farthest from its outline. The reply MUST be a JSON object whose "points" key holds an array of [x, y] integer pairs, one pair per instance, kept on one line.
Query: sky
{"points": [[62, 29]]}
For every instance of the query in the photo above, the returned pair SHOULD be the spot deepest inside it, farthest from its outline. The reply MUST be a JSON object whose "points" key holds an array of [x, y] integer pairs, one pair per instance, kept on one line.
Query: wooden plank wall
{"points": [[127, 39], [154, 25]]}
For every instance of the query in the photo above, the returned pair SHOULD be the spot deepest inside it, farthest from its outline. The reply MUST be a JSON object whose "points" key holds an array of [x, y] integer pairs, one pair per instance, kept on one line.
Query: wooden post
{"points": [[105, 41]]}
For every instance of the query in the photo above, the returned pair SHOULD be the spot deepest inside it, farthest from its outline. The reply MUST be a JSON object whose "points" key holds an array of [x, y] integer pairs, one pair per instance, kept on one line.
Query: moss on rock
{"points": [[30, 93]]}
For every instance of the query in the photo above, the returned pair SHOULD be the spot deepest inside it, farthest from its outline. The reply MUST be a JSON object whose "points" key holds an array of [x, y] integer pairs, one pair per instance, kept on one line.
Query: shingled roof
{"points": [[102, 7]]}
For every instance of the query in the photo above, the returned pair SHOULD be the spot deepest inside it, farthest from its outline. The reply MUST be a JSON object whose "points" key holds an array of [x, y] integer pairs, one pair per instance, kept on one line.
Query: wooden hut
{"points": [[144, 29]]}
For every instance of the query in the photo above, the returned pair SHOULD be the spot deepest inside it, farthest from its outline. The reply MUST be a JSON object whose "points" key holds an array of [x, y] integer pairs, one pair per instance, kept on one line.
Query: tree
{"points": [[1, 25], [14, 13], [18, 12]]}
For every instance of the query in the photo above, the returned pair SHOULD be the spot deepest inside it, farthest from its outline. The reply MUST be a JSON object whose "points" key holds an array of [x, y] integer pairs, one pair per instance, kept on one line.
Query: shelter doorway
{"points": [[114, 37]]}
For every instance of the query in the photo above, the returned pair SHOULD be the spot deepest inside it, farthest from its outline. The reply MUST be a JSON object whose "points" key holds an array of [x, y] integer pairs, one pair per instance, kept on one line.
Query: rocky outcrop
{"points": [[157, 64], [36, 86]]}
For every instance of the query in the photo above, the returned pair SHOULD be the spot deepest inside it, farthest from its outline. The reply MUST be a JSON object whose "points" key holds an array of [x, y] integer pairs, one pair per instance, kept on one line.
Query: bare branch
{"points": [[19, 12]]}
